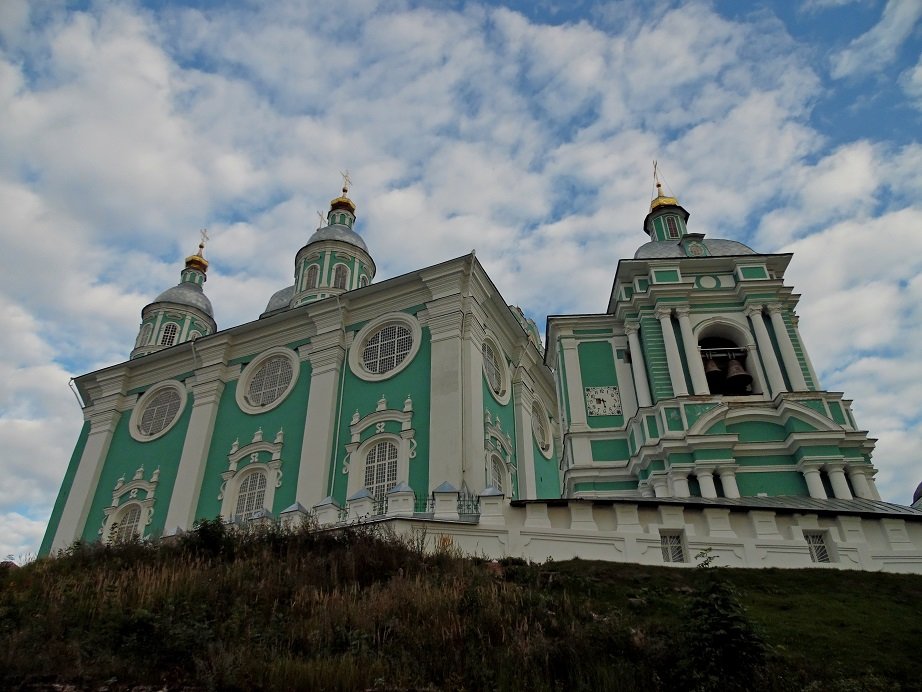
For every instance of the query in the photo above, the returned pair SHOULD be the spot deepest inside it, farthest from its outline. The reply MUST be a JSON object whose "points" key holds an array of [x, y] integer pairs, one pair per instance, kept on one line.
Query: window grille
{"points": [[270, 381], [313, 274], [381, 469], [127, 527], [160, 412], [497, 474], [387, 348], [673, 550], [252, 495], [339, 276], [672, 227], [491, 368], [816, 541], [169, 335]]}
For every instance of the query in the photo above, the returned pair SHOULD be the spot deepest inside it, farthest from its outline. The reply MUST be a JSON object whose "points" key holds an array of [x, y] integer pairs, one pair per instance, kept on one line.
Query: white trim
{"points": [[354, 467], [250, 371], [502, 396], [138, 410], [372, 328]]}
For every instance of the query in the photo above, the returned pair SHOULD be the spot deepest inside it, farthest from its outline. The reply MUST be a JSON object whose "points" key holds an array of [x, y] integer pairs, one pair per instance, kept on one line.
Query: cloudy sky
{"points": [[525, 130]]}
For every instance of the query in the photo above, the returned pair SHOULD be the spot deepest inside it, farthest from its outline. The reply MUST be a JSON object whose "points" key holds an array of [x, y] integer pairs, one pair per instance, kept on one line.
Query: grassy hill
{"points": [[356, 610]]}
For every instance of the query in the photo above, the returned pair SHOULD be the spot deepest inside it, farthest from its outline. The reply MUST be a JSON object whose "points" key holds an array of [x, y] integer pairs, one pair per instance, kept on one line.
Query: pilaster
{"points": [[791, 364], [766, 351], [525, 450], [673, 359], [446, 408], [692, 354], [639, 368]]}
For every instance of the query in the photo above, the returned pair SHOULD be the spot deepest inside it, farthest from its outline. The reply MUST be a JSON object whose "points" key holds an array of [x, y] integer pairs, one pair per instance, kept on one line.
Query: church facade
{"points": [[686, 418]]}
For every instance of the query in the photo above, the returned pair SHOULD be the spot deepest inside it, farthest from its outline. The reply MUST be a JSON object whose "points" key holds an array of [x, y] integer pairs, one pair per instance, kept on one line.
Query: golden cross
{"points": [[347, 181]]}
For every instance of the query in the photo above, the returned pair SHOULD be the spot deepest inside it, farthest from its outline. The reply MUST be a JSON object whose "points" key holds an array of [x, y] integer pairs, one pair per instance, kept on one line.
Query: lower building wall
{"points": [[625, 532]]}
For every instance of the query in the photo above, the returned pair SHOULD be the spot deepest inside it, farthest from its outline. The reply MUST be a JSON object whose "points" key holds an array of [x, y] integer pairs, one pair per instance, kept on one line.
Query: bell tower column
{"points": [[692, 355], [673, 359], [766, 351], [791, 364], [637, 365]]}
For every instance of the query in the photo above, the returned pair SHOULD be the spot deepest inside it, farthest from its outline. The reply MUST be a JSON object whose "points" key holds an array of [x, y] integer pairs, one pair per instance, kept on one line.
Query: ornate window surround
{"points": [[125, 494], [137, 412], [541, 419], [497, 445], [237, 472], [372, 328], [357, 449], [250, 371], [505, 390]]}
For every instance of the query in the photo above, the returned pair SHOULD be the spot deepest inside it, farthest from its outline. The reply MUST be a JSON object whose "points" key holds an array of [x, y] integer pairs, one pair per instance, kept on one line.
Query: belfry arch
{"points": [[728, 354]]}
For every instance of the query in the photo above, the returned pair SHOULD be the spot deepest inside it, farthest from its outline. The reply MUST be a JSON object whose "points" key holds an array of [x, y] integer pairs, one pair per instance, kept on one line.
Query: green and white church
{"points": [[685, 417]]}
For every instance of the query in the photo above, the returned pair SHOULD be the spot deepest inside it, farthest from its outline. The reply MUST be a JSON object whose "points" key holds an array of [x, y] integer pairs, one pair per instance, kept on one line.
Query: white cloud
{"points": [[128, 130], [878, 47]]}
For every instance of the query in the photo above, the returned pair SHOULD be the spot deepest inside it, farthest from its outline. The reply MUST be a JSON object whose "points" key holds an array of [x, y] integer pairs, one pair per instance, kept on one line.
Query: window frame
{"points": [[365, 334], [540, 418], [673, 540], [253, 368], [816, 541], [674, 227], [259, 492], [137, 412], [163, 334], [345, 274], [313, 272], [501, 396]]}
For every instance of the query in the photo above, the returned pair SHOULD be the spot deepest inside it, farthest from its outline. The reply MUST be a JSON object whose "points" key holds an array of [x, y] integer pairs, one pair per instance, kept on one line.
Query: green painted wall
{"points": [[358, 394], [597, 369], [798, 349], [753, 272], [125, 455], [506, 415], [233, 424], [605, 485], [547, 473], [66, 484], [609, 450], [758, 431], [654, 353], [666, 276], [773, 483]]}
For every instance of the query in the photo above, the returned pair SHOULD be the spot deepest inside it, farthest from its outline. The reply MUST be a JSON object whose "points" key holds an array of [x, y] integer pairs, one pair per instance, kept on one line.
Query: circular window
{"points": [[157, 411], [541, 427], [385, 346], [494, 369], [266, 381]]}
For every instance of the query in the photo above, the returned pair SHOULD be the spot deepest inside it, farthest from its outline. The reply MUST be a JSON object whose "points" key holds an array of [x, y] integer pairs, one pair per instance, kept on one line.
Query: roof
{"points": [[187, 293], [340, 232], [717, 247]]}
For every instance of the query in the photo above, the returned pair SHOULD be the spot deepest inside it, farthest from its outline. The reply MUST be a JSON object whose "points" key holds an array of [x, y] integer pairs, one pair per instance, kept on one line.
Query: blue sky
{"points": [[525, 130]]}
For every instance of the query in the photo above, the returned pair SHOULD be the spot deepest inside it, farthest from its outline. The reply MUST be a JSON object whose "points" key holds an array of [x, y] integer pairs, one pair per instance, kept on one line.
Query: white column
{"points": [[706, 482], [838, 482], [84, 486], [816, 380], [445, 407], [814, 482], [641, 385], [728, 481], [472, 404], [207, 388], [679, 482], [673, 359], [660, 486], [860, 482], [791, 364], [524, 449], [326, 357], [692, 354], [766, 352], [574, 385]]}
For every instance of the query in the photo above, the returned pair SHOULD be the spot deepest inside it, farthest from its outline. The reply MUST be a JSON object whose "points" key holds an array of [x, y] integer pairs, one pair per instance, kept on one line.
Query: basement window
{"points": [[816, 542], [673, 546]]}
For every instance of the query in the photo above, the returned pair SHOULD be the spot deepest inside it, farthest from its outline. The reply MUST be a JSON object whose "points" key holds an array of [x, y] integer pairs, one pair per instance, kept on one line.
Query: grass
{"points": [[356, 609]]}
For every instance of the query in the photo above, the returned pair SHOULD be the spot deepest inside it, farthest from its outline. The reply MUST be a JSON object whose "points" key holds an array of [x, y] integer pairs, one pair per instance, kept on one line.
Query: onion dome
{"points": [[181, 313], [917, 496], [529, 325]]}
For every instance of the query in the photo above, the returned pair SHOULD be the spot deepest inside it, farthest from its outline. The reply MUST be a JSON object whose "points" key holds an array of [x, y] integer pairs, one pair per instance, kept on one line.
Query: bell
{"points": [[737, 377], [712, 370]]}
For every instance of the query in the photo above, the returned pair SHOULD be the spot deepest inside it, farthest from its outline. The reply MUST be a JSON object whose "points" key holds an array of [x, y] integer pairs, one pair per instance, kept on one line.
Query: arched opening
{"points": [[726, 366], [340, 276], [313, 274]]}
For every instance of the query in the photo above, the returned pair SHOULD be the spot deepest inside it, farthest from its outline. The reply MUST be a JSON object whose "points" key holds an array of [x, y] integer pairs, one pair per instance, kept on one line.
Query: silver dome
{"points": [[339, 232], [187, 293], [280, 299], [717, 247]]}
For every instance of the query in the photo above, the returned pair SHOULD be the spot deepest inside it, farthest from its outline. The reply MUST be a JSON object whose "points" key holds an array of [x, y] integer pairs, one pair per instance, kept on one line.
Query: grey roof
{"points": [[337, 231], [657, 249], [401, 487], [446, 487], [296, 507], [280, 299], [492, 491], [187, 293], [360, 494]]}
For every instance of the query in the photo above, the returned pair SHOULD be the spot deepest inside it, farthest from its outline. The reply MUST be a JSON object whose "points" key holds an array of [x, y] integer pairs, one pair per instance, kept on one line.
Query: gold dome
{"points": [[342, 202], [662, 200], [197, 261]]}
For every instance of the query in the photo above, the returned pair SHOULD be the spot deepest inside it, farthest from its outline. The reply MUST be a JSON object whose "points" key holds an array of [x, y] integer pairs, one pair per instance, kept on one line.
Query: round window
{"points": [[540, 426], [385, 346], [494, 369], [266, 381], [157, 411]]}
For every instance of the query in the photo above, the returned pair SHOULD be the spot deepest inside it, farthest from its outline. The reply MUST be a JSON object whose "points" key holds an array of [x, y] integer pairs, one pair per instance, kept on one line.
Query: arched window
{"points": [[313, 274], [725, 366], [497, 473], [168, 337], [491, 368], [340, 274], [126, 526], [381, 469], [363, 281], [251, 496], [672, 227]]}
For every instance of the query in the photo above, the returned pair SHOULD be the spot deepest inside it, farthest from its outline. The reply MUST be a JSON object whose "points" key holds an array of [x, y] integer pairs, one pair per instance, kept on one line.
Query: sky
{"points": [[524, 130]]}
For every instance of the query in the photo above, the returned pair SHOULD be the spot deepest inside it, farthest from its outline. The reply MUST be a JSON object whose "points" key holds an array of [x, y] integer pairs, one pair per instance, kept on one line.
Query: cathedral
{"points": [[684, 420]]}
